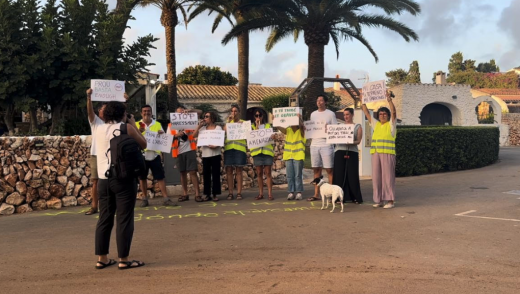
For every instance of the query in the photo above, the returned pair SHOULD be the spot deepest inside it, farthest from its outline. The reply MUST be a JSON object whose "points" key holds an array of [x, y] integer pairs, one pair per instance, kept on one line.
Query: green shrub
{"points": [[426, 150], [275, 101]]}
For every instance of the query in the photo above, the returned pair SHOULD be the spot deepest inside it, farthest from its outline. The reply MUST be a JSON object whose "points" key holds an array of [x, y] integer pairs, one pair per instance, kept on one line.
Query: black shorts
{"points": [[156, 167]]}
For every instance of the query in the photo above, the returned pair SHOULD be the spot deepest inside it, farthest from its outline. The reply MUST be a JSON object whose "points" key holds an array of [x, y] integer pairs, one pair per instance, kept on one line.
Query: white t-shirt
{"points": [[329, 118], [97, 121], [206, 151], [184, 146], [150, 155], [103, 133]]}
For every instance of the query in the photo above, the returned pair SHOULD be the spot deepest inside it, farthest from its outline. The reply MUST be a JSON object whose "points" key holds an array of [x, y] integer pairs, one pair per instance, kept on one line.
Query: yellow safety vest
{"points": [[239, 145], [155, 127], [267, 149], [382, 139], [294, 145]]}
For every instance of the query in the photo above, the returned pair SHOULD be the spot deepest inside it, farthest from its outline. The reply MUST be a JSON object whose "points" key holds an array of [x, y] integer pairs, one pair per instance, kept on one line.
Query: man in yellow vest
{"points": [[153, 159], [383, 153]]}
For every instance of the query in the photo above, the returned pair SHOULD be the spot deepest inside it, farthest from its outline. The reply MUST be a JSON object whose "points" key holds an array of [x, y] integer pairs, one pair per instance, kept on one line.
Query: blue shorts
{"points": [[234, 157], [262, 159]]}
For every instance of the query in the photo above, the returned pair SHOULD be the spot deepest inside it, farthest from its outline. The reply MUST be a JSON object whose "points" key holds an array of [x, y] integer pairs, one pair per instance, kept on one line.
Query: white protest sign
{"points": [[184, 121], [107, 90], [340, 134], [374, 91], [259, 138], [238, 131], [158, 142], [286, 116], [211, 137], [315, 129]]}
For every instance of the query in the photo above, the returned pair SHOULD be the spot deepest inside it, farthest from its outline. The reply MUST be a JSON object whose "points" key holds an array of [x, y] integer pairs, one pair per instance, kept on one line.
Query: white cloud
{"points": [[296, 74]]}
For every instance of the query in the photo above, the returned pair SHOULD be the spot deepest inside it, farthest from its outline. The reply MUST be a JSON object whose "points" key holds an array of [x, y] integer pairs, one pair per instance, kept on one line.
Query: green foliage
{"points": [[395, 77], [205, 75], [414, 74], [485, 80], [488, 67], [205, 107], [456, 63], [425, 150], [275, 101]]}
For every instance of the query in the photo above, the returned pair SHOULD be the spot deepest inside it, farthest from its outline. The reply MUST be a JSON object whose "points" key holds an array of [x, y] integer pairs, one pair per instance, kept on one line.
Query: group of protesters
{"points": [[340, 161]]}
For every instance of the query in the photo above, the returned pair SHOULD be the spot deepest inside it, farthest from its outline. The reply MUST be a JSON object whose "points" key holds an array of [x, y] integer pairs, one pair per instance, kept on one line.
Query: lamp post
{"points": [[152, 87]]}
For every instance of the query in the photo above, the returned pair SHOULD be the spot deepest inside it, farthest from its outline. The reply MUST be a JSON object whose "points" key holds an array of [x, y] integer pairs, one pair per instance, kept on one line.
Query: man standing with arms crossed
{"points": [[322, 154], [152, 158]]}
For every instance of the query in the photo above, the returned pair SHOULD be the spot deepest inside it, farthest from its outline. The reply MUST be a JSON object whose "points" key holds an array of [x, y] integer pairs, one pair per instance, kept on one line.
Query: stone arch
{"points": [[496, 106], [440, 113]]}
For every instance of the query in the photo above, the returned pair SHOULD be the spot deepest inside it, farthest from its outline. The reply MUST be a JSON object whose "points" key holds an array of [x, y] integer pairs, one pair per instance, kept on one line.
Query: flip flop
{"points": [[313, 199], [103, 265], [129, 264]]}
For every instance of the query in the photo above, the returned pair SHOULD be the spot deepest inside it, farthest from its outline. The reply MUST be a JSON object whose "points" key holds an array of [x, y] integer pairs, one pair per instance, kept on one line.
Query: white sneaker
{"points": [[298, 196], [389, 205], [378, 205], [290, 196]]}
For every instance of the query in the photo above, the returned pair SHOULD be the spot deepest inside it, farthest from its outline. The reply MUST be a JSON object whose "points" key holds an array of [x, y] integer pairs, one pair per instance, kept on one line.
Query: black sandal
{"points": [[206, 198], [230, 197], [183, 198], [198, 199], [239, 196], [103, 265], [129, 264]]}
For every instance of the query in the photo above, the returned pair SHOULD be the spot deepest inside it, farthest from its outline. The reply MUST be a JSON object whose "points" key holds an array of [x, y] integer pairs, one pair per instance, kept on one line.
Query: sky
{"points": [[480, 29]]}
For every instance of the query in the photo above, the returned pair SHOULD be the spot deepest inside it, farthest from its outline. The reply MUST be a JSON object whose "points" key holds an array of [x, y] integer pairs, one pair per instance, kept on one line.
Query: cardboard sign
{"points": [[315, 129], [184, 121], [238, 131], [158, 142], [374, 91], [211, 137], [259, 138], [340, 134], [286, 116], [107, 90]]}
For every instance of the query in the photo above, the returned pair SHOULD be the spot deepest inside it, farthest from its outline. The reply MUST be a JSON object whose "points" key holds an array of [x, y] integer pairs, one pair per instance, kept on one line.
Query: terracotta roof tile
{"points": [[500, 91], [507, 98], [346, 99], [227, 93]]}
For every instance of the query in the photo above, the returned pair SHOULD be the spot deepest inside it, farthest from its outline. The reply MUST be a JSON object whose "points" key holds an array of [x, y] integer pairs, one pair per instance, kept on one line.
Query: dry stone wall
{"points": [[513, 121], [40, 173]]}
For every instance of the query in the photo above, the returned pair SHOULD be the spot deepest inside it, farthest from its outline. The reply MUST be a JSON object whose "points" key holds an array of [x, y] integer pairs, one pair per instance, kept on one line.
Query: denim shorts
{"points": [[234, 157], [262, 159]]}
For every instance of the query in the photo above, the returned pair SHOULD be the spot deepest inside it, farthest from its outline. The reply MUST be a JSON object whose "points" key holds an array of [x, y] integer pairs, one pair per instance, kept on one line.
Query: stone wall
{"points": [[40, 173], [513, 121]]}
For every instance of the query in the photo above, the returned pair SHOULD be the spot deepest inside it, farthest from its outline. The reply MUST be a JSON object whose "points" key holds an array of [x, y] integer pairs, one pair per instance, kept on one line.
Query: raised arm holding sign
{"points": [[108, 90], [374, 91], [184, 121]]}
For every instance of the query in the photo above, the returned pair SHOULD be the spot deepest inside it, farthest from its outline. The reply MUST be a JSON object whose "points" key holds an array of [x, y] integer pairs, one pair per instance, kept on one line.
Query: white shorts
{"points": [[322, 156]]}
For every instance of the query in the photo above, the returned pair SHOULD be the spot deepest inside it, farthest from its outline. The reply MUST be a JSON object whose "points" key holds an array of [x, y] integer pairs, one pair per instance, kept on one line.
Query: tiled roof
{"points": [[507, 98], [500, 91], [346, 99], [227, 93]]}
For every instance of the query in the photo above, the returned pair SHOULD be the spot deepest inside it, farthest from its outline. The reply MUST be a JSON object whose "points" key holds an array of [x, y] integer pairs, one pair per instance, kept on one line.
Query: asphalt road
{"points": [[449, 233]]}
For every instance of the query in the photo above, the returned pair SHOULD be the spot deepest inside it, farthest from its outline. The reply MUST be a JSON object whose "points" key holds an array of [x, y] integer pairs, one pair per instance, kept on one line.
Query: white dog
{"points": [[329, 191]]}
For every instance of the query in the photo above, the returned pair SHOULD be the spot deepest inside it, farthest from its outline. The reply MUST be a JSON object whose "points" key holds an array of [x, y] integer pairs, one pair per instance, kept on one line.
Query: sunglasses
{"points": [[206, 116], [258, 115]]}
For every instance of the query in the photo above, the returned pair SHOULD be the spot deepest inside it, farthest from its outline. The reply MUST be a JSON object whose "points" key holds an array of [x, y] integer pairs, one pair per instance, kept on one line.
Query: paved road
{"points": [[421, 246]]}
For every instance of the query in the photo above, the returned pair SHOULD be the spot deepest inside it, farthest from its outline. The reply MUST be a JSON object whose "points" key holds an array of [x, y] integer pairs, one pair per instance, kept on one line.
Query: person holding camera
{"points": [[153, 159], [211, 158], [383, 153]]}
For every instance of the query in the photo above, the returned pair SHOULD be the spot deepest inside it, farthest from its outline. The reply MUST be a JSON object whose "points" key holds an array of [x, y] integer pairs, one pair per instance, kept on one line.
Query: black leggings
{"points": [[116, 197], [211, 175], [346, 175]]}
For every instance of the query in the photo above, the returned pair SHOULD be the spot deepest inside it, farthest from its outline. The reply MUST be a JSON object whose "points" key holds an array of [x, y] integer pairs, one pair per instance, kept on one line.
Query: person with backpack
{"points": [[119, 161]]}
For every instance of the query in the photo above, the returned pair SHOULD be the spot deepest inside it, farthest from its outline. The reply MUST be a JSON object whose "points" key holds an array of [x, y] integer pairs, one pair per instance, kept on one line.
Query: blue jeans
{"points": [[294, 175]]}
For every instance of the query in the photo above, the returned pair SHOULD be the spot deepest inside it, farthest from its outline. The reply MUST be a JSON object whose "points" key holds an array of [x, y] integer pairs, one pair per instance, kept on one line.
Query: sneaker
{"points": [[169, 202], [378, 205], [298, 196], [144, 203], [290, 196], [389, 205]]}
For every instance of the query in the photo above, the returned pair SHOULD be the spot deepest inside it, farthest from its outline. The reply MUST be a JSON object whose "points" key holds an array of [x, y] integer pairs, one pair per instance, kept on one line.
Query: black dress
{"points": [[346, 173]]}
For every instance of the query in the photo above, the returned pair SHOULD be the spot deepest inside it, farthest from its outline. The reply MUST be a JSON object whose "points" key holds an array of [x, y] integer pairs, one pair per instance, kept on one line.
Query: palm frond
{"points": [[389, 6], [296, 34], [388, 23], [335, 39], [349, 34], [184, 15], [256, 24], [275, 36]]}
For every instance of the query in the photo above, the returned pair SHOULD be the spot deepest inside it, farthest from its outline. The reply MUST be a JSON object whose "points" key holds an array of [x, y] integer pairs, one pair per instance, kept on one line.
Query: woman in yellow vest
{"points": [[263, 157], [294, 157], [383, 154], [234, 155]]}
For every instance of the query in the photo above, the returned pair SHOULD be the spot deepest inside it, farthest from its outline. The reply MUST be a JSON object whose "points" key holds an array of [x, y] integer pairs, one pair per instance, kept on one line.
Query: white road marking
{"points": [[514, 192], [465, 214]]}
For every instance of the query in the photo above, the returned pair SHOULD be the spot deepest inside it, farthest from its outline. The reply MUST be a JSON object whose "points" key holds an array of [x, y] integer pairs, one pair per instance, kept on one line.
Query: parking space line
{"points": [[465, 214]]}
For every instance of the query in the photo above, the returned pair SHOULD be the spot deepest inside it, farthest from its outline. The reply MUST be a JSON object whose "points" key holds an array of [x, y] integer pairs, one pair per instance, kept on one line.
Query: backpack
{"points": [[126, 159]]}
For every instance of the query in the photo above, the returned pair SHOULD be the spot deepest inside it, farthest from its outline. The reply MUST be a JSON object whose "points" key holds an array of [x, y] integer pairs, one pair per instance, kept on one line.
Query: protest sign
{"points": [[211, 137], [286, 116], [184, 121], [158, 142], [315, 129], [340, 134], [238, 131], [374, 91], [107, 90], [259, 138]]}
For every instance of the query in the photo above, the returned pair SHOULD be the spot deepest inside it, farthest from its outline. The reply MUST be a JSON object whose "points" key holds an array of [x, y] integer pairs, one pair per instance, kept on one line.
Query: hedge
{"points": [[426, 150]]}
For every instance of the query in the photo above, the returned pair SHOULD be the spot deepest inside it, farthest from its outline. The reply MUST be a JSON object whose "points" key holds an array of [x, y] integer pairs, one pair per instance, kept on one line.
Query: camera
{"points": [[392, 94], [129, 116]]}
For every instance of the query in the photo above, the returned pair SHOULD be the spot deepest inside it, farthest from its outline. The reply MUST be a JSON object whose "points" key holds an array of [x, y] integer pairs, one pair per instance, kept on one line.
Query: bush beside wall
{"points": [[425, 150]]}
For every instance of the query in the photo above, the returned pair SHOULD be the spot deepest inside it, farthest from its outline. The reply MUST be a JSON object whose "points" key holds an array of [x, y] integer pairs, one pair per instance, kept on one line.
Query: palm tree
{"points": [[320, 21], [169, 21], [229, 9]]}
